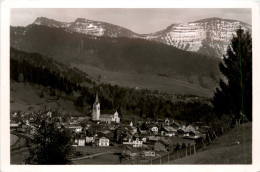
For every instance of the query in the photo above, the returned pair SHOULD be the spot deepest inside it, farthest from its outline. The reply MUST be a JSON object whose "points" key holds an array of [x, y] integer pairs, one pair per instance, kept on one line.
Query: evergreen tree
{"points": [[235, 94]]}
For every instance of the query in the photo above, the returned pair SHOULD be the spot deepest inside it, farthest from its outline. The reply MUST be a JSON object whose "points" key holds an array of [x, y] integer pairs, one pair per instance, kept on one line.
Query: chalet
{"points": [[167, 122], [137, 143], [129, 141], [75, 128], [149, 153], [14, 125], [169, 131], [80, 141], [154, 130], [90, 138], [192, 134], [33, 130], [103, 141], [190, 128]]}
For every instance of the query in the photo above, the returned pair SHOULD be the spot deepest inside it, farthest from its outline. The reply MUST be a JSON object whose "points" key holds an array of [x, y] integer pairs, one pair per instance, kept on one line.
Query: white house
{"points": [[149, 153], [137, 143], [103, 141], [170, 131], [154, 130], [167, 122], [90, 139], [80, 141], [115, 118]]}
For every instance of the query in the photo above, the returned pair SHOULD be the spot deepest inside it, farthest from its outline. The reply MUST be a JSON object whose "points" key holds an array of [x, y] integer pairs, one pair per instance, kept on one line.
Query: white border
{"points": [[5, 84]]}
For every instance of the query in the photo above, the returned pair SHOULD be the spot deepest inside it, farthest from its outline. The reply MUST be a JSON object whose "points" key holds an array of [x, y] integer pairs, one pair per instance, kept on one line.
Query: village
{"points": [[108, 134]]}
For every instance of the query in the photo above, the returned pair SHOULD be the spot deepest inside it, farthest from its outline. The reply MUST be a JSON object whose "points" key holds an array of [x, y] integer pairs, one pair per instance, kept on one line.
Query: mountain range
{"points": [[209, 36], [182, 58]]}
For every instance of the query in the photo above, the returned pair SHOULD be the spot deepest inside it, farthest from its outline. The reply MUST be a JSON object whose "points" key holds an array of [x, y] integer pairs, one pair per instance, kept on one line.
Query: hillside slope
{"points": [[224, 150], [122, 55]]}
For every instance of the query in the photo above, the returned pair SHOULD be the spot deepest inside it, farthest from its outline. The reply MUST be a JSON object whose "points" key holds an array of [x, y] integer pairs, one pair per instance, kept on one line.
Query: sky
{"points": [[146, 20]]}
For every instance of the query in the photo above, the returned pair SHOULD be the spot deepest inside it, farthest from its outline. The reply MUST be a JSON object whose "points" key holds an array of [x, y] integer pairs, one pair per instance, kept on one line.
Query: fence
{"points": [[184, 152]]}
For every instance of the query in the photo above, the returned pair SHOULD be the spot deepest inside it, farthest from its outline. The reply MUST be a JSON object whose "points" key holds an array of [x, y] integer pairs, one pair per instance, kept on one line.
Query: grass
{"points": [[25, 97], [14, 139], [224, 149], [152, 82]]}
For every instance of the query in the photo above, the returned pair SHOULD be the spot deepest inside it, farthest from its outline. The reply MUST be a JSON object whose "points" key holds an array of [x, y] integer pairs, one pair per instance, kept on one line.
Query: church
{"points": [[108, 118]]}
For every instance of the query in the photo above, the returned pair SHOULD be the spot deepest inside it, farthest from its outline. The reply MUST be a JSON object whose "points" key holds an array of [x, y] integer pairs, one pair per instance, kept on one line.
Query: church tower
{"points": [[96, 110]]}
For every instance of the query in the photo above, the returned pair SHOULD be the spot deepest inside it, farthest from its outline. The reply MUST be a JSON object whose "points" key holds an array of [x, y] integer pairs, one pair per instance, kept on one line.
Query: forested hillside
{"points": [[129, 55], [33, 68]]}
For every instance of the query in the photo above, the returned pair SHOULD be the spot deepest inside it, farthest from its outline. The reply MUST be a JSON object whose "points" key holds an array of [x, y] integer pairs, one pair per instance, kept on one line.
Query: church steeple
{"points": [[97, 98], [96, 110]]}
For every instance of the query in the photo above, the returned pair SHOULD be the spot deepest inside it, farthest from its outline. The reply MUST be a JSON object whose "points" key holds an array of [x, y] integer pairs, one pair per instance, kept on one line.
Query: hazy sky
{"points": [[138, 20]]}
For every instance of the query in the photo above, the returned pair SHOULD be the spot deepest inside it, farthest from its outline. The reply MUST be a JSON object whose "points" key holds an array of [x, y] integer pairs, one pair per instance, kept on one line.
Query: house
{"points": [[130, 151], [33, 130], [154, 130], [149, 153], [167, 122], [80, 141], [14, 125], [169, 131], [193, 134], [75, 128], [137, 142], [190, 128], [129, 141], [90, 139], [103, 141]]}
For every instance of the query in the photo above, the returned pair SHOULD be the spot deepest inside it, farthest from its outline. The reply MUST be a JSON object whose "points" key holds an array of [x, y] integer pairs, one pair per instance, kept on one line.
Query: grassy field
{"points": [[224, 150], [25, 97], [152, 82], [14, 139]]}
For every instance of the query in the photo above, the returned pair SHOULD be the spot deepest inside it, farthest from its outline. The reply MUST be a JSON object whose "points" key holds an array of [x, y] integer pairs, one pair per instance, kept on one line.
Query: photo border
{"points": [[5, 80]]}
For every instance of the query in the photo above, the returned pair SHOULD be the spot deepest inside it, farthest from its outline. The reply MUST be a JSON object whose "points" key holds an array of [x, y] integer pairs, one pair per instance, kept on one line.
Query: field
{"points": [[225, 150], [152, 82], [14, 139], [25, 97]]}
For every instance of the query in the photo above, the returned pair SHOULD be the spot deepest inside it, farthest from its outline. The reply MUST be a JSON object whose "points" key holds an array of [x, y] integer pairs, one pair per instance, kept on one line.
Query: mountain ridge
{"points": [[209, 36]]}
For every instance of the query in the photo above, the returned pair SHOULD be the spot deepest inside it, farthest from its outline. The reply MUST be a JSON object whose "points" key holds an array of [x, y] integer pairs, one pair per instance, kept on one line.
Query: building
{"points": [[103, 141], [80, 141], [149, 153], [90, 139], [96, 110], [154, 130], [107, 118], [170, 131], [137, 143], [75, 128]]}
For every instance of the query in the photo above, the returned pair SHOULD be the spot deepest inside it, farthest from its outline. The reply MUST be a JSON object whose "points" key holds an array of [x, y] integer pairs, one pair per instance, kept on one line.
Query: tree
{"points": [[51, 145], [235, 93]]}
